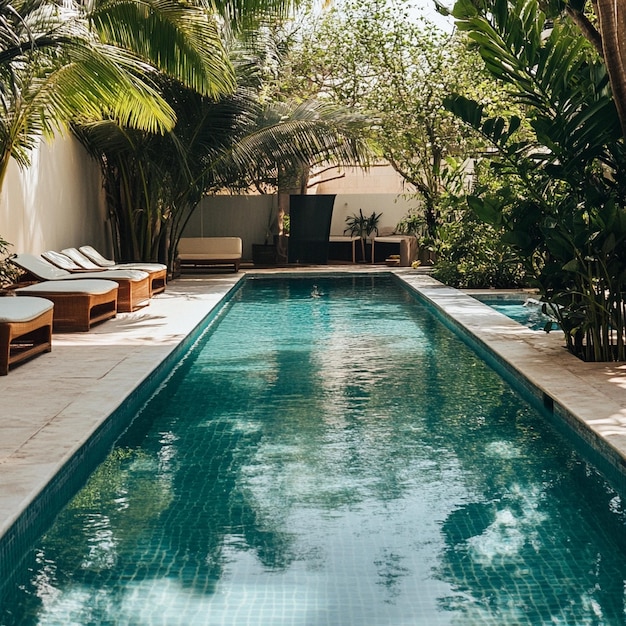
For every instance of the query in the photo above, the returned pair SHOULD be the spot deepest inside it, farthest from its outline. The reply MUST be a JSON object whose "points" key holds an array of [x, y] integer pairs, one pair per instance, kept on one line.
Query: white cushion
{"points": [[210, 247], [93, 287], [207, 256], [44, 270], [22, 309]]}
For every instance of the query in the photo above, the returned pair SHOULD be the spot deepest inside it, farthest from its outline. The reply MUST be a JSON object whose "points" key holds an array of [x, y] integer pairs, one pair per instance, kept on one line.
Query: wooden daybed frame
{"points": [[22, 338], [78, 304]]}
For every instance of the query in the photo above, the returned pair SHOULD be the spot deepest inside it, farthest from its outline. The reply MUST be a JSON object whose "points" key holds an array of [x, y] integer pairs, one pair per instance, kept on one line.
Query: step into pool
{"points": [[330, 454]]}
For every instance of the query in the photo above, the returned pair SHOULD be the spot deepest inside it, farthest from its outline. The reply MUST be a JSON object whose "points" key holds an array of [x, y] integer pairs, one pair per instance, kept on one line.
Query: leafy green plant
{"points": [[359, 225], [8, 272], [471, 255], [561, 199], [413, 223]]}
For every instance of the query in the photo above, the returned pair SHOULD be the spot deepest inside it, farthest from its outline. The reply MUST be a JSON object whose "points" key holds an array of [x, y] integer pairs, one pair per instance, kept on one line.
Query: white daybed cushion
{"points": [[93, 287], [46, 271], [22, 309]]}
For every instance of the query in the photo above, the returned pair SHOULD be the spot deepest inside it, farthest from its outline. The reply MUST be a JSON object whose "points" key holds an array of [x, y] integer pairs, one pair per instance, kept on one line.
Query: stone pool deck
{"points": [[51, 405]]}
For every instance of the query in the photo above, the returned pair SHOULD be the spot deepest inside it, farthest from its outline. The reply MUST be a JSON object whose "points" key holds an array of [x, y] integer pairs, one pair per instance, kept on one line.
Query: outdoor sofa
{"points": [[203, 252]]}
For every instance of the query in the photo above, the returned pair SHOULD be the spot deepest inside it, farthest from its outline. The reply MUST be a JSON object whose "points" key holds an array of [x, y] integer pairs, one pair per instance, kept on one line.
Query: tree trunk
{"points": [[611, 16]]}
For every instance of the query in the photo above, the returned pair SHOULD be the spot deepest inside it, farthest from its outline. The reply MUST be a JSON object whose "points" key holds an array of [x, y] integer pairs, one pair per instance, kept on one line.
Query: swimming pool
{"points": [[332, 456], [525, 310]]}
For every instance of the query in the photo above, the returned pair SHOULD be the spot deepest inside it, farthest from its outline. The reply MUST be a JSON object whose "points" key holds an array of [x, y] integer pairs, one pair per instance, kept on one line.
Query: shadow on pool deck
{"points": [[52, 404]]}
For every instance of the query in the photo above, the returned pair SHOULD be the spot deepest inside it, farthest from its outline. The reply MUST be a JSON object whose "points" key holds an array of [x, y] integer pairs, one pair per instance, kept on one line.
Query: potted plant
{"points": [[362, 227]]}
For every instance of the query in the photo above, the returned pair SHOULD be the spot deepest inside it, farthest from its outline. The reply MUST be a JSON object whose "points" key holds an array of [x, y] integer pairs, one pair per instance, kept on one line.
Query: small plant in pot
{"points": [[358, 225]]}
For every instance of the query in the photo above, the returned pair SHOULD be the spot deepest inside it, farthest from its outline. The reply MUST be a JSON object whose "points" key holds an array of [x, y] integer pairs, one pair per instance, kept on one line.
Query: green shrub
{"points": [[470, 255]]}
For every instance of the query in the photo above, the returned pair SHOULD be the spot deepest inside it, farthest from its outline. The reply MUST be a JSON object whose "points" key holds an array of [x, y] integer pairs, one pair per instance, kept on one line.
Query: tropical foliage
{"points": [[73, 61], [233, 139], [151, 89], [385, 60], [472, 255], [153, 182], [569, 222]]}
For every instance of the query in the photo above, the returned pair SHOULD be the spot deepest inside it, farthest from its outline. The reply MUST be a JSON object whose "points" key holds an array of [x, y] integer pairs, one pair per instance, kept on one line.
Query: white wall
{"points": [[378, 189], [248, 216], [56, 203], [392, 206]]}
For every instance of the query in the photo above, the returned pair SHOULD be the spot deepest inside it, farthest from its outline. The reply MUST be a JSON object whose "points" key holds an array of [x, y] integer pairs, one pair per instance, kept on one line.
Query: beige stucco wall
{"points": [[379, 189], [56, 203], [379, 178]]}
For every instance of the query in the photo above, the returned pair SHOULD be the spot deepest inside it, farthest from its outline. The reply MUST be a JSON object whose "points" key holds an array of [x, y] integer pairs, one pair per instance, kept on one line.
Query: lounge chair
{"points": [[25, 329], [156, 271], [134, 286], [78, 304], [89, 257]]}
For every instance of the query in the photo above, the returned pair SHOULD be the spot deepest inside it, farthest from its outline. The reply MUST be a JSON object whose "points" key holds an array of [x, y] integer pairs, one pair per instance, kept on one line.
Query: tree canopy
{"points": [[393, 65]]}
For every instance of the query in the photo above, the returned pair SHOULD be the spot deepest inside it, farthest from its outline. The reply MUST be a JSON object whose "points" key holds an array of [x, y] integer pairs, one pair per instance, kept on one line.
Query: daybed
{"points": [[25, 329], [339, 239], [89, 258], [78, 304], [134, 286], [197, 252], [404, 245]]}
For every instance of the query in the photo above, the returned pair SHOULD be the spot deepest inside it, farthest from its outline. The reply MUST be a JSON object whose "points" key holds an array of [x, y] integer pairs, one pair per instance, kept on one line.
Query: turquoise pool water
{"points": [[330, 454], [526, 311]]}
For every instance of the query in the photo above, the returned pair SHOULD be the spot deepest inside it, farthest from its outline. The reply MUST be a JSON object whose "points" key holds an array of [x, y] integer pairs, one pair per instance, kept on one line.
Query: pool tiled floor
{"points": [[52, 404]]}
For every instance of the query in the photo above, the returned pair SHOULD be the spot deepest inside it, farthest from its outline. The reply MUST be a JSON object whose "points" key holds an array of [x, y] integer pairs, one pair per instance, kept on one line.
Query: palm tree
{"points": [[100, 60], [153, 182]]}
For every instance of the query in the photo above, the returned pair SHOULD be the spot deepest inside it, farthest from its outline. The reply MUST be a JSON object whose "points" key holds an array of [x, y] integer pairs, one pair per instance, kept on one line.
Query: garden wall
{"points": [[250, 217], [56, 203]]}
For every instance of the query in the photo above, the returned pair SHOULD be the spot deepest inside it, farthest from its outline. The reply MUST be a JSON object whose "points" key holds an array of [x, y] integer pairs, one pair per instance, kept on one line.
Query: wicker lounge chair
{"points": [[78, 304], [134, 286], [25, 329], [92, 260]]}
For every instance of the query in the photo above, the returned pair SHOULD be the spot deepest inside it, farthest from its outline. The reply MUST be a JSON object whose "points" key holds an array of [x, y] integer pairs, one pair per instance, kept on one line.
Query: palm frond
{"points": [[285, 136], [177, 38]]}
